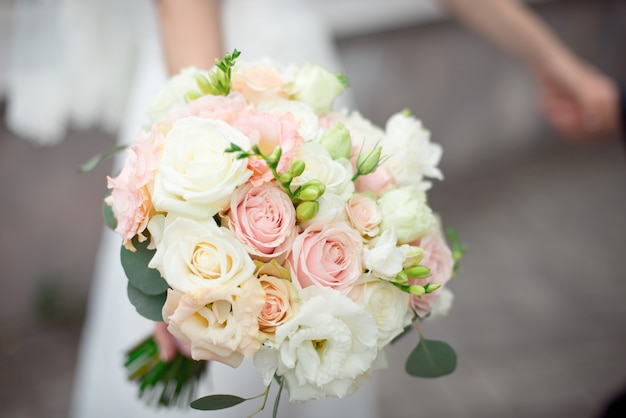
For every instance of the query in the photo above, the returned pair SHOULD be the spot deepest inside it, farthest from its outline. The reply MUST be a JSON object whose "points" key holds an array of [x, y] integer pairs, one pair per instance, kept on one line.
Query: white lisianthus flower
{"points": [[196, 177], [193, 254], [305, 118], [172, 94], [317, 87], [410, 156], [406, 211], [218, 322], [384, 258], [390, 306], [332, 210], [322, 350], [319, 165]]}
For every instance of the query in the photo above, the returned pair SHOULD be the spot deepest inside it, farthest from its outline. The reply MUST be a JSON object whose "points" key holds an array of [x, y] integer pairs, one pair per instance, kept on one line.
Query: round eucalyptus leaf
{"points": [[431, 358], [148, 306], [135, 264]]}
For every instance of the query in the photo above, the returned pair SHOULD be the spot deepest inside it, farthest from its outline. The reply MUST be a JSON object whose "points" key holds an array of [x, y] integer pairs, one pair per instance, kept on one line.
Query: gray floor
{"points": [[538, 321]]}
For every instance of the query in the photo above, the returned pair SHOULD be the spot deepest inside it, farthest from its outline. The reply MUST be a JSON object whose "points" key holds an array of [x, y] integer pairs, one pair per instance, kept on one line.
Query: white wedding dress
{"points": [[285, 30]]}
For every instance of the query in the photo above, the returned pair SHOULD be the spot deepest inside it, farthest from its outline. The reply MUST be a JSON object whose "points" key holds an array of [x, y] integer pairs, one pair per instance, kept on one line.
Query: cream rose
{"points": [[389, 306], [328, 257], [260, 81], [332, 209], [172, 94], [217, 322], [406, 211], [193, 254], [263, 219], [322, 350], [196, 177]]}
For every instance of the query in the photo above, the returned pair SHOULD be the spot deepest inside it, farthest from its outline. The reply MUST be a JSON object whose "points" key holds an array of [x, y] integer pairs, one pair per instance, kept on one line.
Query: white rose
{"points": [[406, 211], [192, 254], [317, 87], [323, 349], [335, 174], [172, 94], [389, 306], [384, 259], [305, 118], [410, 156], [196, 177]]}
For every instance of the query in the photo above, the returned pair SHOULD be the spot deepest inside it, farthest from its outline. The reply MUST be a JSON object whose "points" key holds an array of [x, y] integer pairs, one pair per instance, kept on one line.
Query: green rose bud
{"points": [[337, 141], [402, 278], [431, 287], [417, 290], [307, 211], [203, 83], [275, 157], [284, 178], [368, 163], [192, 95], [296, 168]]}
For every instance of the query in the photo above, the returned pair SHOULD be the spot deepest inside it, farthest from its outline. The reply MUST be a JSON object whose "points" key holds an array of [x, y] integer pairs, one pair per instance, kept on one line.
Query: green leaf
{"points": [[109, 217], [95, 160], [431, 358], [213, 402], [277, 400], [148, 306], [135, 264]]}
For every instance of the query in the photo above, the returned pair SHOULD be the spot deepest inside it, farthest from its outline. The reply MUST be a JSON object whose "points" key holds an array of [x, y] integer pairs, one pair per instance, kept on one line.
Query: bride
{"points": [[270, 28]]}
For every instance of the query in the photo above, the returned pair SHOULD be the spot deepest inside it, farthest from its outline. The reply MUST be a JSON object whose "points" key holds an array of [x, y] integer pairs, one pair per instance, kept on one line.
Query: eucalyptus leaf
{"points": [[135, 264], [431, 358], [96, 159], [214, 402], [109, 217], [148, 306]]}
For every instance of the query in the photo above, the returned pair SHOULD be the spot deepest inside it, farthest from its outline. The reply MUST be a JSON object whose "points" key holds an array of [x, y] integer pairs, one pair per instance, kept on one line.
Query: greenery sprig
{"points": [[216, 82]]}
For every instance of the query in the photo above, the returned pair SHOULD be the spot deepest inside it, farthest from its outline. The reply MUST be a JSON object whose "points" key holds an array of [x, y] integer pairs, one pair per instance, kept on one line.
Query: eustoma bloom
{"points": [[258, 222]]}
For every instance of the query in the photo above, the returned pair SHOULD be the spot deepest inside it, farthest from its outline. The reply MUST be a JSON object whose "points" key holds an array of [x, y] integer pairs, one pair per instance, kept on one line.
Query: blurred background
{"points": [[539, 318]]}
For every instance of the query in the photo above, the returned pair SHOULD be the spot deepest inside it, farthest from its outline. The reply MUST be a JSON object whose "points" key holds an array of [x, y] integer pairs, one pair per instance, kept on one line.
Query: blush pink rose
{"points": [[376, 182], [130, 197], [269, 131], [327, 257], [438, 258], [365, 215], [264, 220], [223, 108]]}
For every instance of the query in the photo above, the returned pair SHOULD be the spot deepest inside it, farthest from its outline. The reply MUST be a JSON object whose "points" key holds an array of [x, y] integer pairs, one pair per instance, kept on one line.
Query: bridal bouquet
{"points": [[258, 222]]}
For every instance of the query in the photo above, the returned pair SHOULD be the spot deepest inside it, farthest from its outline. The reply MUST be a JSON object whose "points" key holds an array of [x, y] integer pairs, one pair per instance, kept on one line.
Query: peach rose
{"points": [[269, 131], [218, 322], [224, 108], [327, 257], [438, 258], [260, 81], [263, 219], [281, 303]]}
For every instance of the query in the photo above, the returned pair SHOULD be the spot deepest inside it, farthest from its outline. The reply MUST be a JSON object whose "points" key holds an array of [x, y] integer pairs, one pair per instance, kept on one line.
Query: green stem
{"points": [[419, 328], [265, 394]]}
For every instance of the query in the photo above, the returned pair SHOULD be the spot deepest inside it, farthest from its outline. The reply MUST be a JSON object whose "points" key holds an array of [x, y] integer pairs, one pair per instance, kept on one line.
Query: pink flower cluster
{"points": [[235, 251]]}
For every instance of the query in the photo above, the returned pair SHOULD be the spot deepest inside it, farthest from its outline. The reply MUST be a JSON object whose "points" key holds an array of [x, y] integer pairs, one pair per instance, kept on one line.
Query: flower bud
{"points": [[284, 178], [368, 163], [337, 141], [192, 95], [275, 156], [402, 278], [307, 210], [418, 272], [203, 83], [296, 168], [311, 190], [431, 287], [417, 290]]}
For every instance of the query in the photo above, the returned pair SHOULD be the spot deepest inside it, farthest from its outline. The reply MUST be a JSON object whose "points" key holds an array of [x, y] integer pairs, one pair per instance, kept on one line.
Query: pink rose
{"points": [[130, 197], [223, 108], [217, 322], [260, 81], [364, 215], [269, 131], [263, 219], [330, 257], [438, 258], [376, 182]]}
